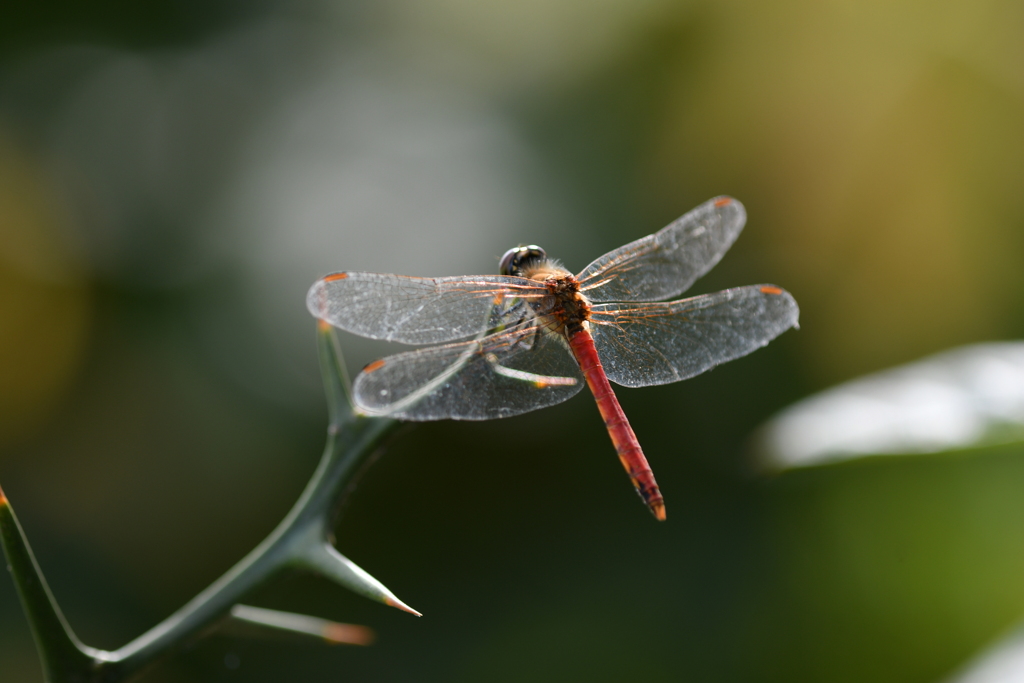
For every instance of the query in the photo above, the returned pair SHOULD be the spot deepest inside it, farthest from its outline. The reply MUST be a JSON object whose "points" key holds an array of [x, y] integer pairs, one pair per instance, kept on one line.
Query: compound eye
{"points": [[515, 260], [505, 265]]}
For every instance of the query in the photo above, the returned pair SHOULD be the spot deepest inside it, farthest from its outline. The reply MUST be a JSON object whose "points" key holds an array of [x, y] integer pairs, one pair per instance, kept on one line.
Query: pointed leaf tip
{"points": [[395, 602]]}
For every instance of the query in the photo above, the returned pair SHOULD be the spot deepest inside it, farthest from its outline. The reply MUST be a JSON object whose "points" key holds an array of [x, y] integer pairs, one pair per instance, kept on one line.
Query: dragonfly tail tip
{"points": [[659, 511]]}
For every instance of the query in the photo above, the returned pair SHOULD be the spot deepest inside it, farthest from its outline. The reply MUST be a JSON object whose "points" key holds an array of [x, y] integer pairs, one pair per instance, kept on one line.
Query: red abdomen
{"points": [[623, 438]]}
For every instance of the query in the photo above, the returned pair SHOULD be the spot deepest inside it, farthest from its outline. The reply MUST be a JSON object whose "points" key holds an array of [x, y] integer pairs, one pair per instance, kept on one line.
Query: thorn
{"points": [[347, 634], [395, 602]]}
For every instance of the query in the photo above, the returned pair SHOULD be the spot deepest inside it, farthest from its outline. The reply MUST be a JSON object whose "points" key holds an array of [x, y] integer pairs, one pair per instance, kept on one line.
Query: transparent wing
{"points": [[416, 310], [495, 376], [641, 344], [666, 263]]}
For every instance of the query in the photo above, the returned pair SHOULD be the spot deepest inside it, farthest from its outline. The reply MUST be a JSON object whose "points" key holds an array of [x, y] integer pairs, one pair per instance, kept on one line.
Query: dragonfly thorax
{"points": [[565, 309]]}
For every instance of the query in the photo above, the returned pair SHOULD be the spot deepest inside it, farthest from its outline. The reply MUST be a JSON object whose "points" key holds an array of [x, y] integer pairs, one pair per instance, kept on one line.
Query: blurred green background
{"points": [[174, 176]]}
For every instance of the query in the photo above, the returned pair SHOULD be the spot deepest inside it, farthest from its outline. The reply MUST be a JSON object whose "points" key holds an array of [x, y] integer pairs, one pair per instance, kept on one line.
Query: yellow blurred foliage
{"points": [[44, 300], [880, 152]]}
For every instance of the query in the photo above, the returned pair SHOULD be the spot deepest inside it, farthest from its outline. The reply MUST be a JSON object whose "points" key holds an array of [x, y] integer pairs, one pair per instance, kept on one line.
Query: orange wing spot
{"points": [[724, 201], [323, 325], [375, 365], [335, 276], [3, 498], [771, 290]]}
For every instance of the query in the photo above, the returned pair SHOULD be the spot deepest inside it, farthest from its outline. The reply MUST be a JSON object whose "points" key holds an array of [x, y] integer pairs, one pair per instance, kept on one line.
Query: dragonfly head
{"points": [[517, 260]]}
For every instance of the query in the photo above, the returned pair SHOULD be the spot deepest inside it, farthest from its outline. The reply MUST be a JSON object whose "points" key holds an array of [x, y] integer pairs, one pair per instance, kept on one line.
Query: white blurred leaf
{"points": [[956, 399], [1002, 662]]}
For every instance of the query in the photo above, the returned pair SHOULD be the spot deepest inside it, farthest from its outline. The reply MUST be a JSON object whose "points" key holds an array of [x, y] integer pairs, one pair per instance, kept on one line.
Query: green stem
{"points": [[301, 529], [62, 654], [301, 540]]}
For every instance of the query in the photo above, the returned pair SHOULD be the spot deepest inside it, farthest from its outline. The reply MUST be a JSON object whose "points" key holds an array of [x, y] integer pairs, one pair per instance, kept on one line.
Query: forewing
{"points": [[496, 376], [655, 343], [666, 263], [415, 310]]}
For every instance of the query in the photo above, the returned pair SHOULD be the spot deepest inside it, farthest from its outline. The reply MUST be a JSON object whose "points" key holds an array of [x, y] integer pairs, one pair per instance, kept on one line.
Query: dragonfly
{"points": [[530, 337]]}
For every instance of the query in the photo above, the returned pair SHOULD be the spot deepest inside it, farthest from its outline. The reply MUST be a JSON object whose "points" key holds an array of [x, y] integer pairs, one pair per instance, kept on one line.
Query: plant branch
{"points": [[301, 541], [61, 652]]}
